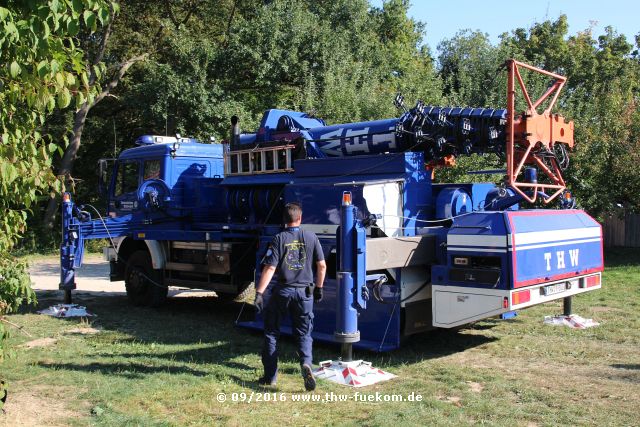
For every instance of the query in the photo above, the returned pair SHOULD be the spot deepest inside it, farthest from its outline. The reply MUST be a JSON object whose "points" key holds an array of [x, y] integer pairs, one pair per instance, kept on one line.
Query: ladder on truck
{"points": [[259, 160]]}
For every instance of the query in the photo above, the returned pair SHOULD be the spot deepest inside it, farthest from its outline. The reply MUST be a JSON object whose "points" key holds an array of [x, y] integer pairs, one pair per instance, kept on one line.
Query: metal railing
{"points": [[256, 160]]}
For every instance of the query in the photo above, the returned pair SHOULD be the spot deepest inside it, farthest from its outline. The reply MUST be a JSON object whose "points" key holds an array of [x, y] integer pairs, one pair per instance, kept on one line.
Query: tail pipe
{"points": [[235, 132]]}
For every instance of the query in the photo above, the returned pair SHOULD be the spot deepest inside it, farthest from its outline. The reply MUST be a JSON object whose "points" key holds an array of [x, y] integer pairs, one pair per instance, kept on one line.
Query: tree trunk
{"points": [[66, 164], [78, 125]]}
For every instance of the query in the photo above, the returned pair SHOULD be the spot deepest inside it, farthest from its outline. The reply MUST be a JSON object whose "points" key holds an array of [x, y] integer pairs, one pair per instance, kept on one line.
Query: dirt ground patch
{"points": [[39, 406], [475, 387], [82, 331], [40, 342], [455, 400], [92, 281]]}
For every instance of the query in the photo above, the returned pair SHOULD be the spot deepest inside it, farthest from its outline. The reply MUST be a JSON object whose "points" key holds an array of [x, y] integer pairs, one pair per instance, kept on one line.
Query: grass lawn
{"points": [[167, 366]]}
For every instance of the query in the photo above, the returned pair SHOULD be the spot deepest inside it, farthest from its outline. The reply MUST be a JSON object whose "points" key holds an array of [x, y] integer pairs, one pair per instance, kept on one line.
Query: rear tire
{"points": [[144, 285]]}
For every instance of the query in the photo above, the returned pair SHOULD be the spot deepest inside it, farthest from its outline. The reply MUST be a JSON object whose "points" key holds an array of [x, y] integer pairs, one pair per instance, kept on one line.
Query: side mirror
{"points": [[176, 145]]}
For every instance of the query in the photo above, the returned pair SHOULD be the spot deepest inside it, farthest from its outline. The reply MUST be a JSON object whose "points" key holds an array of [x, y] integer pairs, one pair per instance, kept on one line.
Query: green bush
{"points": [[15, 290], [38, 239]]}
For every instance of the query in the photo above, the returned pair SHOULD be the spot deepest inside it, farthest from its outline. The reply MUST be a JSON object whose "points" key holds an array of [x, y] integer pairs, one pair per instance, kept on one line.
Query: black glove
{"points": [[317, 294], [259, 302]]}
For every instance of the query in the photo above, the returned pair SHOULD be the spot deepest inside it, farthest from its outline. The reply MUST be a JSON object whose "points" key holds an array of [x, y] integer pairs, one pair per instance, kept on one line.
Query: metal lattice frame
{"points": [[532, 132]]}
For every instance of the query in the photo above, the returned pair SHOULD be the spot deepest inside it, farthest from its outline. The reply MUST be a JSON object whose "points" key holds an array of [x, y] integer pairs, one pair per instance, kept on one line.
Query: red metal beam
{"points": [[532, 132]]}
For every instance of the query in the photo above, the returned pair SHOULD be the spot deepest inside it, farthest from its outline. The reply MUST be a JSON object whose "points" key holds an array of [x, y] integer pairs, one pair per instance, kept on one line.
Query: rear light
{"points": [[521, 297], [505, 302], [346, 198], [592, 281]]}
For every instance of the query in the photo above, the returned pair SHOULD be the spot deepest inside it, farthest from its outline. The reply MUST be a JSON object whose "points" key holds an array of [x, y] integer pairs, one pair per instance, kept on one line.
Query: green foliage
{"points": [[15, 289], [603, 83], [343, 61], [469, 68], [37, 239], [44, 70], [41, 69]]}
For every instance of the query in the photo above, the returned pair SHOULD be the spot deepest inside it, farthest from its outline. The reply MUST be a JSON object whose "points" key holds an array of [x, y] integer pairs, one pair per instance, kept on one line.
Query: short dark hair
{"points": [[292, 212]]}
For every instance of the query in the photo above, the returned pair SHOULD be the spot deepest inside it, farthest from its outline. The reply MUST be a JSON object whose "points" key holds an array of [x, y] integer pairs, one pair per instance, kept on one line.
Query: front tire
{"points": [[144, 285]]}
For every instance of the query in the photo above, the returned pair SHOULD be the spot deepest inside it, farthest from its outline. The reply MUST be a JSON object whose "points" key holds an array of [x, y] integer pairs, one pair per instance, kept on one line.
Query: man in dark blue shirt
{"points": [[292, 253]]}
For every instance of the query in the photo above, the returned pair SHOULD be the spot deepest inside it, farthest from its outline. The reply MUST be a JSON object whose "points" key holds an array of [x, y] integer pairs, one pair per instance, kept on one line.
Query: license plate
{"points": [[554, 289]]}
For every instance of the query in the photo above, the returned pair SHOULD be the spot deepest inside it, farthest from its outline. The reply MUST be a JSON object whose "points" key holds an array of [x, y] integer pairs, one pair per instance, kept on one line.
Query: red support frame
{"points": [[532, 131]]}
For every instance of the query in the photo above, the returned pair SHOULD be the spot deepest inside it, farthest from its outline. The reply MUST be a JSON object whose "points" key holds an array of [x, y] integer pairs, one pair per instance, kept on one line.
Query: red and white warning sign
{"points": [[357, 373]]}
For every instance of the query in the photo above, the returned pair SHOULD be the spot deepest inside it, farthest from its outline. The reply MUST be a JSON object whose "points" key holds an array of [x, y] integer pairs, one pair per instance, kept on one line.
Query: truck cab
{"points": [[175, 164], [168, 183]]}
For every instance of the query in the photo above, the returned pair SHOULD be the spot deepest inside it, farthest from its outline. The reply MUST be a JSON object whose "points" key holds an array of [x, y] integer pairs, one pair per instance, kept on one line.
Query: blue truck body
{"points": [[182, 213]]}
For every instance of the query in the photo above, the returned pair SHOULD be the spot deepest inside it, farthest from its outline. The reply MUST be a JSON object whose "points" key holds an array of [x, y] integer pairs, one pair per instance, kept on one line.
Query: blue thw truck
{"points": [[404, 254]]}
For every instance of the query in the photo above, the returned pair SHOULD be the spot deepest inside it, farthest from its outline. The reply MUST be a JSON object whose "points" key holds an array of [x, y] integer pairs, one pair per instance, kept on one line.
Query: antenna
{"points": [[546, 14], [115, 139]]}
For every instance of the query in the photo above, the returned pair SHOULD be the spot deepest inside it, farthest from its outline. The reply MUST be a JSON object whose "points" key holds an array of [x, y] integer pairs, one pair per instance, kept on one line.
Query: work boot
{"points": [[265, 381], [309, 380]]}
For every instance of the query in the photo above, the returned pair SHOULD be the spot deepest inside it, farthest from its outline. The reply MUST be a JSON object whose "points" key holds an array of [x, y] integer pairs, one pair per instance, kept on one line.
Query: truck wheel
{"points": [[144, 284]]}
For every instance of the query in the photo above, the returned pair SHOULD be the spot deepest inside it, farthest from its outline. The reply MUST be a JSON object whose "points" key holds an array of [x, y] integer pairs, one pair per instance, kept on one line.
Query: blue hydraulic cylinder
{"points": [[531, 175], [351, 273], [68, 246], [351, 139]]}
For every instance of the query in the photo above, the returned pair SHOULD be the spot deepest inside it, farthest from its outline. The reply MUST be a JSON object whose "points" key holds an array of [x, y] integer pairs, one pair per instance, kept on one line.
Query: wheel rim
{"points": [[137, 281]]}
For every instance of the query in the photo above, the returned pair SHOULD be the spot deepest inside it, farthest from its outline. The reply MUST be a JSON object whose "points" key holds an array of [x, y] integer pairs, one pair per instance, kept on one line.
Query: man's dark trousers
{"points": [[294, 302]]}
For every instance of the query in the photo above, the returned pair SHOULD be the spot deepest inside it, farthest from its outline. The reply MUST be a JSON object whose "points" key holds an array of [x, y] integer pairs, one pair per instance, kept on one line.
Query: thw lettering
{"points": [[573, 254], [560, 260]]}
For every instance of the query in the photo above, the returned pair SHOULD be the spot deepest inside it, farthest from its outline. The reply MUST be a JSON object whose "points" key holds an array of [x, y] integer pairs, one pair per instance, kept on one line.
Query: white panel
{"points": [[117, 242], [475, 240], [158, 257], [455, 306], [156, 250], [109, 254], [554, 244], [475, 249], [556, 235], [385, 199], [538, 298], [321, 229]]}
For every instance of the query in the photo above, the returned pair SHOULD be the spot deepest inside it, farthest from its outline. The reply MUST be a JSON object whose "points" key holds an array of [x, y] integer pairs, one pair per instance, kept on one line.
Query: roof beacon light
{"points": [[159, 139], [346, 198]]}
